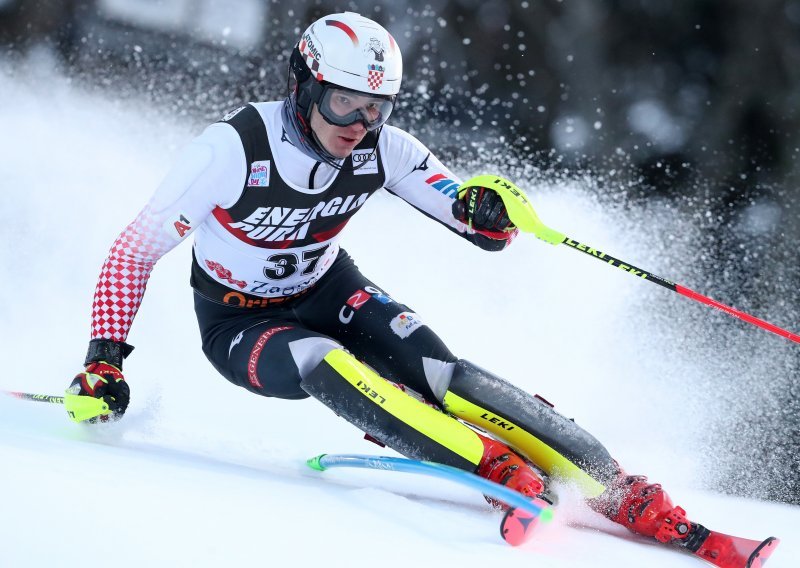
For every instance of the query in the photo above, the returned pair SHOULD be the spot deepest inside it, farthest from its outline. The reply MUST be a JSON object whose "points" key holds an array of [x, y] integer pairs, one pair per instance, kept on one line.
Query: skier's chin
{"points": [[343, 146]]}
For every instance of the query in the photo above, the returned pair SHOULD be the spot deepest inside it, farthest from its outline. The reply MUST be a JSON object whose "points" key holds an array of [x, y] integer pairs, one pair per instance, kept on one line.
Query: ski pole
{"points": [[522, 214], [79, 408], [35, 397]]}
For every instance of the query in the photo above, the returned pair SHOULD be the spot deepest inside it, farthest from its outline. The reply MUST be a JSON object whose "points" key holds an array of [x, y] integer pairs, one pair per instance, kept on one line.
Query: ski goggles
{"points": [[343, 107]]}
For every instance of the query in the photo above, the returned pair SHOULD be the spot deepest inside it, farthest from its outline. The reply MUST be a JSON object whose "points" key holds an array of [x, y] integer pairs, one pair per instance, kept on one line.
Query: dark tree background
{"points": [[690, 101]]}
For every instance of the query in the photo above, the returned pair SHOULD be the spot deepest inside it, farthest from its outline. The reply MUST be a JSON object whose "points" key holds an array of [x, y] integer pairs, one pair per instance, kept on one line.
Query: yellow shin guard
{"points": [[359, 395], [531, 426]]}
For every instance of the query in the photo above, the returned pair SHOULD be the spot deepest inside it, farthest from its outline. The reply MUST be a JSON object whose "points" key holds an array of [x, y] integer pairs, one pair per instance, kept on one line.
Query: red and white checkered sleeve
{"points": [[124, 276], [210, 171]]}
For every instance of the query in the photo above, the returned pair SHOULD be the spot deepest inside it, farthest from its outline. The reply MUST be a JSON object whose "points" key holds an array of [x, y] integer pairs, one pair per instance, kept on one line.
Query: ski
{"points": [[518, 523], [726, 551]]}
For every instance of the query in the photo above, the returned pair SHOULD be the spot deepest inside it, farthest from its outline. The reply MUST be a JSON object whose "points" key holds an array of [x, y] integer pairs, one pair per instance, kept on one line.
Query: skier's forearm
{"points": [[117, 297], [123, 278]]}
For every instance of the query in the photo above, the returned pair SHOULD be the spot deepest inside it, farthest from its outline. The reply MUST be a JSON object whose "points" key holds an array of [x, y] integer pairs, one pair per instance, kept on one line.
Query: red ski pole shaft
{"points": [[682, 290], [35, 397], [521, 212]]}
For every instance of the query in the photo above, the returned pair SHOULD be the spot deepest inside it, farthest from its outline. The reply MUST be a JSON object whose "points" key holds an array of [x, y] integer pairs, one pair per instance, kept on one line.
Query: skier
{"points": [[284, 312]]}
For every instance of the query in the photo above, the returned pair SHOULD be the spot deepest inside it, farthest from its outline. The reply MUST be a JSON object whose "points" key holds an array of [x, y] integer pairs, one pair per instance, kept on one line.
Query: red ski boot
{"points": [[642, 507], [502, 465], [646, 509]]}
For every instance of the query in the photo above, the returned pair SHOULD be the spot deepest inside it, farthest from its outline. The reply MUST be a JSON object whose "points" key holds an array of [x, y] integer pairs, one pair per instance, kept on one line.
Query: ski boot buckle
{"points": [[674, 526]]}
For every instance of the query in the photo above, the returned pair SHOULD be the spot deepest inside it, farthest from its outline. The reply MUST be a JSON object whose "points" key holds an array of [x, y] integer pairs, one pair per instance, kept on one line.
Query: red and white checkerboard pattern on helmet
{"points": [[375, 79], [311, 61], [124, 276]]}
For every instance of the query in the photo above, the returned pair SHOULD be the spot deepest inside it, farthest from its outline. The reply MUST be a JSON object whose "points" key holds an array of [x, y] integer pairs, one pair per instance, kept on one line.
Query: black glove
{"points": [[103, 381], [484, 211]]}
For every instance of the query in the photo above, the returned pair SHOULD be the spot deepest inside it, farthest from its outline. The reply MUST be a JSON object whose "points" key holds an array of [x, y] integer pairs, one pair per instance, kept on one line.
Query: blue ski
{"points": [[519, 520]]}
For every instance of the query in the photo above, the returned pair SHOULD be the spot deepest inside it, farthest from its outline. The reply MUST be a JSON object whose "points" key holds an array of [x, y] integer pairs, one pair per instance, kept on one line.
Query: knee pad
{"points": [[375, 406], [531, 425]]}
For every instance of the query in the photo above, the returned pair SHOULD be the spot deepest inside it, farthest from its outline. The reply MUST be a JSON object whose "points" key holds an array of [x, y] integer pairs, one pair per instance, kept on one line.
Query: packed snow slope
{"points": [[201, 473]]}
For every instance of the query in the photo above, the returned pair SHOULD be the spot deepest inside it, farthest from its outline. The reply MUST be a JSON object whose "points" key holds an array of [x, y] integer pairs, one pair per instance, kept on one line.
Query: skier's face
{"points": [[338, 140]]}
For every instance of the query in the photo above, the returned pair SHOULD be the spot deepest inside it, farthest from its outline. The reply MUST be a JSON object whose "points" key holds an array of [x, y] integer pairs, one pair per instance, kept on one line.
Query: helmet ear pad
{"points": [[307, 89]]}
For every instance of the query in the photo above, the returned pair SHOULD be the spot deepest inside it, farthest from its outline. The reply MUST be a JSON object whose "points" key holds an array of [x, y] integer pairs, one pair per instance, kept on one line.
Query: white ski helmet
{"points": [[352, 51], [349, 51]]}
